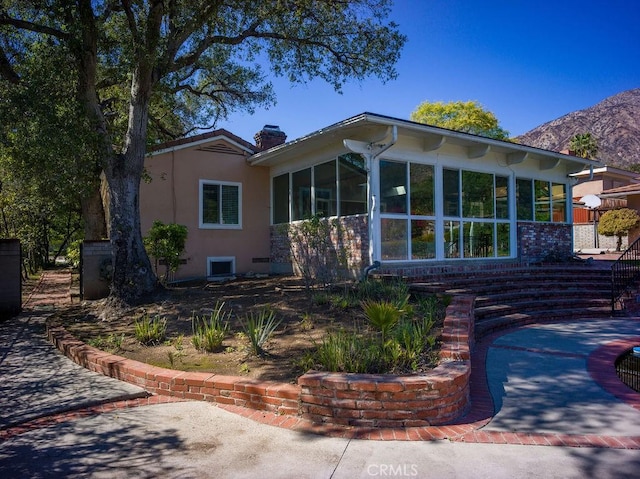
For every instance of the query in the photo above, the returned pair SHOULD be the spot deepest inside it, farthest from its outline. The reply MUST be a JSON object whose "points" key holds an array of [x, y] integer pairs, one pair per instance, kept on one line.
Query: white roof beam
{"points": [[478, 151], [516, 157], [433, 142]]}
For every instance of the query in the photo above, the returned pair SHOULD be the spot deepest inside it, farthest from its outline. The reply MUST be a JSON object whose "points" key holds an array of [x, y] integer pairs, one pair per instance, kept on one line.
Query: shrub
{"points": [[208, 335], [259, 328], [150, 330]]}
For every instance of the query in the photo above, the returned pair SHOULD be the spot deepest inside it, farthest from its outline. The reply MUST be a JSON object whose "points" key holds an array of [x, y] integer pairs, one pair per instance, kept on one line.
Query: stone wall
{"points": [[10, 278]]}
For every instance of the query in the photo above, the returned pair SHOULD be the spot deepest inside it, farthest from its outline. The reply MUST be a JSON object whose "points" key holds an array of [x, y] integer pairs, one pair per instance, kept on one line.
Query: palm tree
{"points": [[584, 145]]}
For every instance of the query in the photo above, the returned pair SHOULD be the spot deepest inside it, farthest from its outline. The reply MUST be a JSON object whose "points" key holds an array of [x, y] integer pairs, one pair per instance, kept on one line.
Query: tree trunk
{"points": [[93, 215], [133, 276]]}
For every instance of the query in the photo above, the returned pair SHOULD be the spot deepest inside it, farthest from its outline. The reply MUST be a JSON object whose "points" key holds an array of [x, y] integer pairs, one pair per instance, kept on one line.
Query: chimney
{"points": [[269, 136]]}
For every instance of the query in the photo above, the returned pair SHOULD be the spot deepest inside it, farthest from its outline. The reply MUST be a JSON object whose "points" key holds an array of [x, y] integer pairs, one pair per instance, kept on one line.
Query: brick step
{"points": [[490, 325], [534, 307], [535, 294], [490, 286]]}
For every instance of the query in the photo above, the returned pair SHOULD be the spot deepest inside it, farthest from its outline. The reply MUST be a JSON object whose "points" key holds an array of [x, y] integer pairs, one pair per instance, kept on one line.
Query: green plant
{"points": [[208, 334], [166, 243], [383, 315], [259, 328], [150, 330]]}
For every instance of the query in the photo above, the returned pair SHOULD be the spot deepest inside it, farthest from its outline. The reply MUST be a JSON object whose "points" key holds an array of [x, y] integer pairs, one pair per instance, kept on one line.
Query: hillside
{"points": [[614, 122]]}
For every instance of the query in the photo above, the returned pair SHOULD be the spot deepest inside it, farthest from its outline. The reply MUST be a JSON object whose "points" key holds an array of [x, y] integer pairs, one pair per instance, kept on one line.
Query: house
{"points": [[410, 198], [205, 183], [589, 188]]}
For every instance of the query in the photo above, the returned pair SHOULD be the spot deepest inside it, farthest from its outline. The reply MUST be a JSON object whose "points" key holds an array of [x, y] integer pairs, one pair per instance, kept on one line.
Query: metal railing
{"points": [[628, 370], [625, 272]]}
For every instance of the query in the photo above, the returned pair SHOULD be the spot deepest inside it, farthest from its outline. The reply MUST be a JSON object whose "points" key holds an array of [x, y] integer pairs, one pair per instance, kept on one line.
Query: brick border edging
{"points": [[383, 401]]}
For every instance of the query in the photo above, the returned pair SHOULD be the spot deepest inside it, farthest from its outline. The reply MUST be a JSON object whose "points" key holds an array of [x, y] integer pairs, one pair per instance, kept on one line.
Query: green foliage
{"points": [[383, 315], [208, 334], [584, 145], [259, 327], [112, 343], [618, 223], [403, 337], [149, 331], [469, 117], [165, 243]]}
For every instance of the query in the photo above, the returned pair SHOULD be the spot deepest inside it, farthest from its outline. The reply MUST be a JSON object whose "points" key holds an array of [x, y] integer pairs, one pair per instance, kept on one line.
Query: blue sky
{"points": [[527, 62]]}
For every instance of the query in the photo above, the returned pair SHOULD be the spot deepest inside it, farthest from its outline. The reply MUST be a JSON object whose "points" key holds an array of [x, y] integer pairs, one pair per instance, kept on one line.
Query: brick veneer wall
{"points": [[536, 241], [436, 397], [354, 239]]}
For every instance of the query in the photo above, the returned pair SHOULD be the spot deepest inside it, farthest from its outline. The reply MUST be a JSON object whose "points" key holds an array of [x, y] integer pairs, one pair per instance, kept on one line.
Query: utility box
{"points": [[96, 269], [10, 278]]}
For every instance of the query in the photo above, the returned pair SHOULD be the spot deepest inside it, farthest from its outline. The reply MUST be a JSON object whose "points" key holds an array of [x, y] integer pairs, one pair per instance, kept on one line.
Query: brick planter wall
{"points": [[382, 400], [436, 397]]}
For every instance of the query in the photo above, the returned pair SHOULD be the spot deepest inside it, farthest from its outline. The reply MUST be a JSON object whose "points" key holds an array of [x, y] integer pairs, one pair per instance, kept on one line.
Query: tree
{"points": [[204, 55], [584, 145], [469, 117], [618, 223]]}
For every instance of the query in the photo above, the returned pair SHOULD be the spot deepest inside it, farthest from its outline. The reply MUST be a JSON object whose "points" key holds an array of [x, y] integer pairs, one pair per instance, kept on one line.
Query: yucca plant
{"points": [[208, 334], [150, 330], [259, 328]]}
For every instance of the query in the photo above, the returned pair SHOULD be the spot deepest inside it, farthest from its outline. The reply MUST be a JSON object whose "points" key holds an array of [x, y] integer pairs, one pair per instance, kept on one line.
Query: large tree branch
{"points": [[5, 19], [6, 70]]}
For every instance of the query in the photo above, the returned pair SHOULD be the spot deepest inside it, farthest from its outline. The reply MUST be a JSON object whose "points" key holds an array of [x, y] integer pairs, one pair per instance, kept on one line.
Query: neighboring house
{"points": [[413, 197], [592, 183]]}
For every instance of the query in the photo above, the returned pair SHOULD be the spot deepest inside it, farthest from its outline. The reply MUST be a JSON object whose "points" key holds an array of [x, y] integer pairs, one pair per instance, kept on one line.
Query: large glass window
{"points": [[393, 187], [477, 195], [524, 199], [220, 204], [352, 180], [421, 185], [452, 239], [542, 200], [301, 194], [502, 197], [423, 239], [325, 189], [393, 239], [559, 202], [280, 188], [451, 192]]}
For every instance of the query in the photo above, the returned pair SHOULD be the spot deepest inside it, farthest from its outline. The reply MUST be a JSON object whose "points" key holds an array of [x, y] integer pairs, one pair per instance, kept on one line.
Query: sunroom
{"points": [[414, 197]]}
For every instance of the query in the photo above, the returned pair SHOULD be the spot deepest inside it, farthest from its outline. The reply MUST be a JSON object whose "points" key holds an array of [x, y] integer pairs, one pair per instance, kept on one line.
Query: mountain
{"points": [[614, 123]]}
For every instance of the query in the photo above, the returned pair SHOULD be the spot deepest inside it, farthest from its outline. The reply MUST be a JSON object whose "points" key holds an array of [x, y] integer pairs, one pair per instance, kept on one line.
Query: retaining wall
{"points": [[433, 398]]}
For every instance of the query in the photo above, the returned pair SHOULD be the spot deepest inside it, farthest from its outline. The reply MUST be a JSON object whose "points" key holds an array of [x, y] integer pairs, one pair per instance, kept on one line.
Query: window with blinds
{"points": [[220, 204]]}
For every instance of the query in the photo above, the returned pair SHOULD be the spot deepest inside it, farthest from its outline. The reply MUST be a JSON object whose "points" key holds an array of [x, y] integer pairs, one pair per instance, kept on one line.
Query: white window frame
{"points": [[201, 223], [221, 259]]}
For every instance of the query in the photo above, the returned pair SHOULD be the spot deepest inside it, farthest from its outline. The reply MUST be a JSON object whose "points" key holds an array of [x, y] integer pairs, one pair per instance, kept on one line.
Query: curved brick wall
{"points": [[435, 398]]}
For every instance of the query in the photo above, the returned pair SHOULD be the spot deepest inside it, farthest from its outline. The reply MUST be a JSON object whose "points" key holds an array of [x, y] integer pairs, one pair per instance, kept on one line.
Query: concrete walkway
{"points": [[549, 382]]}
